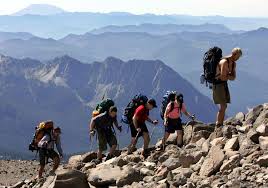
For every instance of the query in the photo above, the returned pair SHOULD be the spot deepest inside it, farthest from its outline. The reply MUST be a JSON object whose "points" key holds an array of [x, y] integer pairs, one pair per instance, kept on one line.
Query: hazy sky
{"points": [[238, 8]]}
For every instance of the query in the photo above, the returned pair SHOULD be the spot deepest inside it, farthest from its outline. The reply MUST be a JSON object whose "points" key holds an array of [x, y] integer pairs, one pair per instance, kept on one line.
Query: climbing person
{"points": [[128, 115], [138, 128], [226, 70], [104, 124], [50, 137], [172, 118]]}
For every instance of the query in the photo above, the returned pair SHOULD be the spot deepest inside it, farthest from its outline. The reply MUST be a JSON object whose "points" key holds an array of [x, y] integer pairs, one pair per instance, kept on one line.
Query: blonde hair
{"points": [[237, 51]]}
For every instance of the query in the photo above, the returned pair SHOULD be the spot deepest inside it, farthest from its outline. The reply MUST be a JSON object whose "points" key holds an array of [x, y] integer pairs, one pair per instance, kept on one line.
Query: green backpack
{"points": [[103, 106]]}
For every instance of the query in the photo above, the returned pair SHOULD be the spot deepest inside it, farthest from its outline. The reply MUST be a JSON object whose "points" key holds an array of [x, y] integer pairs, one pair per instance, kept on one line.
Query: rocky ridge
{"points": [[232, 156]]}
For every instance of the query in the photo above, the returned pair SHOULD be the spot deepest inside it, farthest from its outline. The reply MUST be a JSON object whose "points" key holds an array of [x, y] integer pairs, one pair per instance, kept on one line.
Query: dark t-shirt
{"points": [[141, 114], [104, 121]]}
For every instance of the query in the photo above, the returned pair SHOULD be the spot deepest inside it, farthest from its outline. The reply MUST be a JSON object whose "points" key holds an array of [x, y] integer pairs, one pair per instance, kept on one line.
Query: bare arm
{"points": [[150, 120], [92, 125], [135, 122], [187, 114], [167, 111], [58, 146]]}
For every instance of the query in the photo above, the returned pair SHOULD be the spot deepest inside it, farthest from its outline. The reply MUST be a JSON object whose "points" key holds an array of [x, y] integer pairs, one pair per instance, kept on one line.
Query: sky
{"points": [[234, 8]]}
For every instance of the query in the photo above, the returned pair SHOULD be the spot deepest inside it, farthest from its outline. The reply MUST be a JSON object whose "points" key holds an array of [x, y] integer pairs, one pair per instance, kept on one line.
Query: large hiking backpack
{"points": [[210, 63], [40, 131], [132, 106], [165, 101], [103, 106]]}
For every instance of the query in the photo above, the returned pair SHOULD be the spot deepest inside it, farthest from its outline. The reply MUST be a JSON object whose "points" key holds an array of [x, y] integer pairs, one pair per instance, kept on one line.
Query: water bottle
{"points": [[202, 79]]}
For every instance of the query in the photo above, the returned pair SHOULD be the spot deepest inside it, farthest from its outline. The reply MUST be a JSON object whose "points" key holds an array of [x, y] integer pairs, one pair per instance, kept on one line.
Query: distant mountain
{"points": [[81, 22], [39, 9], [183, 51], [65, 90], [163, 29], [20, 35]]}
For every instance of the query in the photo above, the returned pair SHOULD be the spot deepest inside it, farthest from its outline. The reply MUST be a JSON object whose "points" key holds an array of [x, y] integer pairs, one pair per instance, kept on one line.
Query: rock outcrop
{"points": [[235, 157]]}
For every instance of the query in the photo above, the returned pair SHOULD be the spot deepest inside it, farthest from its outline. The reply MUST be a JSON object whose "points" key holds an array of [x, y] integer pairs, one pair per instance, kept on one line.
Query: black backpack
{"points": [[165, 101], [132, 106], [210, 63]]}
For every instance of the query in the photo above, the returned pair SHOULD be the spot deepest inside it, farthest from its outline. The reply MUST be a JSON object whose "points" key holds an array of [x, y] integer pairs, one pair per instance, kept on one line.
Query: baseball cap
{"points": [[152, 102]]}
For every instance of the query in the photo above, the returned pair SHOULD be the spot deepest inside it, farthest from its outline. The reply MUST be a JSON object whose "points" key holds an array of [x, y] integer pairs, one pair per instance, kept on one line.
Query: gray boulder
{"points": [[213, 163]]}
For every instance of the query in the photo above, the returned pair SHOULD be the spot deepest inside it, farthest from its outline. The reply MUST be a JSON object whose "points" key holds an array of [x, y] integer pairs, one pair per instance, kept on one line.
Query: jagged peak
{"points": [[112, 59], [65, 59]]}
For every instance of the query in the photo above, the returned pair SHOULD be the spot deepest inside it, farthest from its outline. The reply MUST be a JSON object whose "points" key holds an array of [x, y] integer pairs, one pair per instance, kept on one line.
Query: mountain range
{"points": [[19, 35], [36, 19], [182, 51], [163, 29], [66, 90]]}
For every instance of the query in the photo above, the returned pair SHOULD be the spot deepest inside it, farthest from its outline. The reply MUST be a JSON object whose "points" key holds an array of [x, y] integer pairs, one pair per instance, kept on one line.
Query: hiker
{"points": [[172, 120], [138, 126], [103, 124], [46, 150], [226, 70]]}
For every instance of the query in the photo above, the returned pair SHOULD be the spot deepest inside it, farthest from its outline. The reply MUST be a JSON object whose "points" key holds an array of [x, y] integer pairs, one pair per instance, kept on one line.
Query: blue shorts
{"points": [[173, 125]]}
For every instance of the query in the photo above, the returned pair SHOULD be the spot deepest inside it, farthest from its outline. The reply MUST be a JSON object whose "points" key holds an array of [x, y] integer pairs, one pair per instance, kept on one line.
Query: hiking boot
{"points": [[131, 149], [52, 173], [145, 153], [97, 161], [162, 147], [109, 156], [218, 130]]}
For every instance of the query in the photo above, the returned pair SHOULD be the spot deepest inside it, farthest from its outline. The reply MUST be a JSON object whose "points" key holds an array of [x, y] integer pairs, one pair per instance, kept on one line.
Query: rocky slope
{"points": [[232, 156]]}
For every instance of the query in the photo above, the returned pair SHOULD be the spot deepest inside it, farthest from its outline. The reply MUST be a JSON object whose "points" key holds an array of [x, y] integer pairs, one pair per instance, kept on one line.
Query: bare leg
{"points": [[112, 150], [165, 139], [41, 171], [56, 164], [146, 139], [99, 155], [179, 137], [221, 114]]}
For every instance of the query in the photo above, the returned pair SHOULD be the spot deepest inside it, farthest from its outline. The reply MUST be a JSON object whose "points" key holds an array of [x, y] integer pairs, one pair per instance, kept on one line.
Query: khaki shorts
{"points": [[106, 137], [221, 94]]}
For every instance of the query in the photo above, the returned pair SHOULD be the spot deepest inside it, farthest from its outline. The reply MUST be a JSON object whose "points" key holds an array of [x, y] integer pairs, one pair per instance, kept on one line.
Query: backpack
{"points": [[165, 101], [103, 106], [210, 63], [132, 106], [40, 131]]}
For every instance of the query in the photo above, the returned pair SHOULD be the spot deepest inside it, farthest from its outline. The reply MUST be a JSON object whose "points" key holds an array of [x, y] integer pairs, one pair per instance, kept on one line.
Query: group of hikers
{"points": [[140, 105], [218, 70]]}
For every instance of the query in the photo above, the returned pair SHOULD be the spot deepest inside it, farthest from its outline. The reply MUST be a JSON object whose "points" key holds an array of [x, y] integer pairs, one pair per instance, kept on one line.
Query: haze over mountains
{"points": [[81, 22], [182, 51], [164, 29], [66, 90]]}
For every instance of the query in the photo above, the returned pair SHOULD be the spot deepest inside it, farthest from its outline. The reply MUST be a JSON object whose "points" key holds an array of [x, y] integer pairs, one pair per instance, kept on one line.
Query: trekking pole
{"points": [[152, 132], [192, 121], [136, 138]]}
